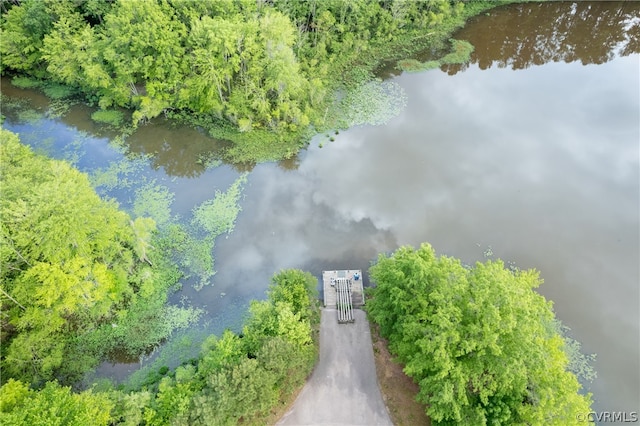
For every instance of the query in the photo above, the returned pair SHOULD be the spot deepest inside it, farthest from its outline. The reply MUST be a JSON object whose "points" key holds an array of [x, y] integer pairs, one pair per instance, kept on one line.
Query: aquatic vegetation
{"points": [[374, 103], [209, 161], [196, 259], [58, 108], [57, 91], [73, 151], [111, 117], [580, 364], [460, 54], [25, 82], [29, 115], [154, 201], [118, 175], [211, 219], [217, 215], [190, 242], [185, 345]]}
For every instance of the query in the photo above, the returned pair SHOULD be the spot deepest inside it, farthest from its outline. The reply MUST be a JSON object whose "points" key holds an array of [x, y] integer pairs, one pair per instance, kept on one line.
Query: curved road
{"points": [[343, 389]]}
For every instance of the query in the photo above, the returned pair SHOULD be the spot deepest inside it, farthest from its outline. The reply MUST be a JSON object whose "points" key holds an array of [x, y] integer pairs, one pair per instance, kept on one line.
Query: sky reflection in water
{"points": [[540, 164]]}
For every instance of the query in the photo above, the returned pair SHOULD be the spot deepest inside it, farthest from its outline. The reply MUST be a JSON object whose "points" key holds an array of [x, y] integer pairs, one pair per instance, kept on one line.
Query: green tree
{"points": [[481, 343], [143, 50], [129, 408], [21, 37], [74, 55], [220, 353], [231, 382], [69, 261], [289, 363], [241, 391], [297, 289], [52, 406]]}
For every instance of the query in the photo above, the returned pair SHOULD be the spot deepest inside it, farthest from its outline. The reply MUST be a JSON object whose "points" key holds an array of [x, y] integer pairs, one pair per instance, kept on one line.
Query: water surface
{"points": [[529, 152]]}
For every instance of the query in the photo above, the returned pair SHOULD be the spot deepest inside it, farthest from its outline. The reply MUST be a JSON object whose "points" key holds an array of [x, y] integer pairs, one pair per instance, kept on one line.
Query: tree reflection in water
{"points": [[522, 35]]}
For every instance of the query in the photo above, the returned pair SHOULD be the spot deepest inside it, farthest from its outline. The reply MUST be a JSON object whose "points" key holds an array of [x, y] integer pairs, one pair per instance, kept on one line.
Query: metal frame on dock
{"points": [[343, 291]]}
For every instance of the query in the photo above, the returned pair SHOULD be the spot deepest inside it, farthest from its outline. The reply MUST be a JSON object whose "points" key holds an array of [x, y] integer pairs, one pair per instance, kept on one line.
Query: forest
{"points": [[482, 345], [82, 280], [260, 73]]}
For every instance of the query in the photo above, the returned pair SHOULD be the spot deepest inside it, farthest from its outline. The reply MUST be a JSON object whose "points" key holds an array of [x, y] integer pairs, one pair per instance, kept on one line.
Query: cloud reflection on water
{"points": [[540, 164]]}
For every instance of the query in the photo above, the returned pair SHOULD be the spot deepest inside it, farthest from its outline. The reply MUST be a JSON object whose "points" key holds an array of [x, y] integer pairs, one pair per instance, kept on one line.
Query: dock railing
{"points": [[344, 303]]}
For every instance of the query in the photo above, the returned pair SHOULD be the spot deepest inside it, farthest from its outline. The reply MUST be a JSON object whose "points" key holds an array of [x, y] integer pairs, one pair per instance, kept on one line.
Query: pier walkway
{"points": [[343, 389]]}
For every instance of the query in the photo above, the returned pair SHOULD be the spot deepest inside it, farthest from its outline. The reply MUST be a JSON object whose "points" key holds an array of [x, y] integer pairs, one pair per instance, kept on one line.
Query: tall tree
{"points": [[22, 34], [53, 405], [73, 52], [67, 262], [143, 47], [481, 343]]}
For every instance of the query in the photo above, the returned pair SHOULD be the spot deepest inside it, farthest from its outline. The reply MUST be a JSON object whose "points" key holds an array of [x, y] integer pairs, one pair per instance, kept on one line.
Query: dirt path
{"points": [[343, 389]]}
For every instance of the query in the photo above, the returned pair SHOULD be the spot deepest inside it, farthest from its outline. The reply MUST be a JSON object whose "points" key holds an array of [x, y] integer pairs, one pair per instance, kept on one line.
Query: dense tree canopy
{"points": [[53, 405], [71, 265], [256, 64], [480, 342]]}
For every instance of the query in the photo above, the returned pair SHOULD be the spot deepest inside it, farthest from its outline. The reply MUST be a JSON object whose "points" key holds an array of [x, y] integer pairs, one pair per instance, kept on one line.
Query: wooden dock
{"points": [[343, 291]]}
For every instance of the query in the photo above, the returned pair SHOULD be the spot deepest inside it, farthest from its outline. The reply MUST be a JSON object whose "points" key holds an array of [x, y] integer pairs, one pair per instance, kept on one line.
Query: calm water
{"points": [[530, 152]]}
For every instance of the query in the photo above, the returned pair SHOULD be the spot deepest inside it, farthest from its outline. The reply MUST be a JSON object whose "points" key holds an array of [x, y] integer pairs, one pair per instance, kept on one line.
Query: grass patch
{"points": [[247, 147], [413, 65], [461, 51], [258, 145]]}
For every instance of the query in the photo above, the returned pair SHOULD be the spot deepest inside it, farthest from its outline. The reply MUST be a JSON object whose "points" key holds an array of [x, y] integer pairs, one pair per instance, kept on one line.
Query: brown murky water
{"points": [[531, 152]]}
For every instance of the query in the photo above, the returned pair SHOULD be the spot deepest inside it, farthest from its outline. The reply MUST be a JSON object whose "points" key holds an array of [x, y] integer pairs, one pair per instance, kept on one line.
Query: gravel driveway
{"points": [[343, 389]]}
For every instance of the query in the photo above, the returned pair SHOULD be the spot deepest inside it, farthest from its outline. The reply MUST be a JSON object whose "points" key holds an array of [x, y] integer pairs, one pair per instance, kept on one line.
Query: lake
{"points": [[529, 153]]}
